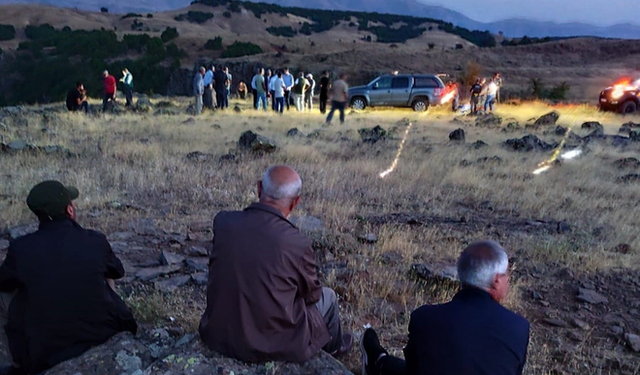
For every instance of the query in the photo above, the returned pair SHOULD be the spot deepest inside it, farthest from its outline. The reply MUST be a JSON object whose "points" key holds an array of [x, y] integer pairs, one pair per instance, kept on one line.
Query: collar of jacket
{"points": [[58, 223], [269, 209], [470, 292]]}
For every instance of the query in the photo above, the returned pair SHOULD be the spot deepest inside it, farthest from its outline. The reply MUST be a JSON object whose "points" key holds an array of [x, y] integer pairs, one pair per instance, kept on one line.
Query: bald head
{"points": [[480, 262], [281, 183]]}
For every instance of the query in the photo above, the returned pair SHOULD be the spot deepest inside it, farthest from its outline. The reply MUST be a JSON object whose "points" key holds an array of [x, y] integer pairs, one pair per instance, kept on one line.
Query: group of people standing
{"points": [[206, 82], [280, 89], [484, 93]]}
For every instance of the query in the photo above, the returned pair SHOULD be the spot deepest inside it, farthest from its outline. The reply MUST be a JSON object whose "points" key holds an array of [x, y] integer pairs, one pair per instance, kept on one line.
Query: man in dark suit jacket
{"points": [[264, 299], [471, 335], [56, 286]]}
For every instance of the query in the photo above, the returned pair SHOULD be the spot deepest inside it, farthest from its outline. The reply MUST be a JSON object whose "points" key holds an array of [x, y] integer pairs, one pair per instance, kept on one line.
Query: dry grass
{"points": [[141, 159]]}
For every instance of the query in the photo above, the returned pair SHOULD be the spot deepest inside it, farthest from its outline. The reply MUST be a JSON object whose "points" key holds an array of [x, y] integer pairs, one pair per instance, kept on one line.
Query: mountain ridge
{"points": [[513, 27]]}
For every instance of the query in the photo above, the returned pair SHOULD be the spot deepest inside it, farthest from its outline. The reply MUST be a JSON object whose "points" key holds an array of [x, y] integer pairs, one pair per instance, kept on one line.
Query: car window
{"points": [[400, 82], [384, 83], [425, 82]]}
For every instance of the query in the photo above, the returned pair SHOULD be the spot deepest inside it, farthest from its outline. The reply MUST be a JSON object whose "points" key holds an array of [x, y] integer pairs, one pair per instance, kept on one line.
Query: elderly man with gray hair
{"points": [[264, 299], [198, 89], [473, 334]]}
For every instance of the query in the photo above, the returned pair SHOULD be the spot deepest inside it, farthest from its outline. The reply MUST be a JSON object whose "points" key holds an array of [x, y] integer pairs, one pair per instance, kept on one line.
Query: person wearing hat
{"points": [[109, 84], [56, 286], [308, 95]]}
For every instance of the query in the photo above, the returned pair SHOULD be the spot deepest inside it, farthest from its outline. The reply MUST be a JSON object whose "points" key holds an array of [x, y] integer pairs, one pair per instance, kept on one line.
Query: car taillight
{"points": [[437, 91]]}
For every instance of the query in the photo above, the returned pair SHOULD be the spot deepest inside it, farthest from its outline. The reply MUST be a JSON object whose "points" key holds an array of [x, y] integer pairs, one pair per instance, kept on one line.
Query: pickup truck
{"points": [[417, 91]]}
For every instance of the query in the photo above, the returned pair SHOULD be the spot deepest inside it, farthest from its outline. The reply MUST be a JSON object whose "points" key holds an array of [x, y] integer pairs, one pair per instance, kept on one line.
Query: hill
{"points": [[510, 27]]}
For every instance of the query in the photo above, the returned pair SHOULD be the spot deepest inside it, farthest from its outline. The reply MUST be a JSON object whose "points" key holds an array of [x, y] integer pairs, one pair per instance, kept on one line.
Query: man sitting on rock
{"points": [[56, 286], [471, 335], [264, 299]]}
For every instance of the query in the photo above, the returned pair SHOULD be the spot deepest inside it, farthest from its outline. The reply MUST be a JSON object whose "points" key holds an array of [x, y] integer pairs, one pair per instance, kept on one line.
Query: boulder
{"points": [[529, 143], [148, 274], [197, 251], [512, 127], [591, 296], [457, 136], [237, 109], [594, 128], [629, 127], [437, 272], [629, 178], [549, 119], [368, 238], [633, 341], [256, 142], [144, 104], [373, 135], [489, 120], [560, 130], [634, 136], [171, 284], [198, 264], [17, 145], [168, 258], [295, 133], [199, 156], [625, 163], [200, 278], [479, 144]]}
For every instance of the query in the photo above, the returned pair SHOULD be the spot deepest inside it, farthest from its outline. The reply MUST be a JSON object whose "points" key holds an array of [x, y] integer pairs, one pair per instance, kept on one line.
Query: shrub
{"points": [[234, 7], [175, 52], [286, 31], [195, 16], [238, 49], [227, 14], [559, 92], [7, 32], [136, 25], [214, 44], [131, 15], [470, 73], [459, 46], [136, 42], [149, 15], [431, 45], [170, 33], [104, 10]]}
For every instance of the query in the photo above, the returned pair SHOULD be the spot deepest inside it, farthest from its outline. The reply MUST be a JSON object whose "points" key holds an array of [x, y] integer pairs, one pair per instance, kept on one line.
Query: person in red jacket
{"points": [[109, 83]]}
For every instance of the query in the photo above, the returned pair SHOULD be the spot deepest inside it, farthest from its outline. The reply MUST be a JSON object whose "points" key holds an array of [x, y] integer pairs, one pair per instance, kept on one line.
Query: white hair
{"points": [[480, 262], [277, 191]]}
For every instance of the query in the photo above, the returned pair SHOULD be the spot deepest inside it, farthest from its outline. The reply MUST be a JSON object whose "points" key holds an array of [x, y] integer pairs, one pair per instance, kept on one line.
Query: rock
{"points": [[189, 121], [145, 227], [200, 278], [4, 245], [122, 354], [197, 251], [624, 163], [198, 264], [144, 104], [368, 238], [167, 112], [295, 133], [227, 157], [560, 130], [256, 142], [629, 178], [373, 135], [489, 120], [495, 159], [621, 248], [594, 128], [315, 134], [634, 136], [22, 230], [172, 283], [633, 341], [580, 324], [512, 127], [549, 119], [457, 136], [309, 224], [121, 236], [555, 322], [565, 274], [148, 274], [168, 258], [237, 109], [528, 143], [17, 145], [628, 127], [435, 272], [478, 145], [563, 227], [199, 156], [591, 296]]}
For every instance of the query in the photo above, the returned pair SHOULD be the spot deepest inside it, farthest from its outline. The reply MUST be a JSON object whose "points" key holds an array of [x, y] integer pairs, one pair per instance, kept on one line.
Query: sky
{"points": [[597, 12]]}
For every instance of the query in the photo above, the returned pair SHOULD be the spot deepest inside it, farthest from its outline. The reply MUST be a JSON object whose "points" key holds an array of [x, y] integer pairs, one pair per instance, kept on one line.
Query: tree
{"points": [[7, 32], [214, 44], [169, 33], [104, 10]]}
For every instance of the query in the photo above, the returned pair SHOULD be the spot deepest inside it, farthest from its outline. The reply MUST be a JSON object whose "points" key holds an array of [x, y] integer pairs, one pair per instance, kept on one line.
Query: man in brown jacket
{"points": [[264, 299]]}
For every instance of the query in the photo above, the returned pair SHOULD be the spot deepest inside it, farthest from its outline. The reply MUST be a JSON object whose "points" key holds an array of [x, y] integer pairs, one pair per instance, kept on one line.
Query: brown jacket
{"points": [[262, 289]]}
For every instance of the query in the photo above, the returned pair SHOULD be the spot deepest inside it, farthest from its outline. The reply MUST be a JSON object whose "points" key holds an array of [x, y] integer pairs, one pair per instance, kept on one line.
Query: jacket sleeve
{"points": [[9, 280], [310, 288], [524, 356], [114, 268], [410, 355]]}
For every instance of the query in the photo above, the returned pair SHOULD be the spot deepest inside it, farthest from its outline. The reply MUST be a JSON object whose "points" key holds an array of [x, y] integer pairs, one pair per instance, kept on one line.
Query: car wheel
{"points": [[420, 105], [358, 103], [628, 107]]}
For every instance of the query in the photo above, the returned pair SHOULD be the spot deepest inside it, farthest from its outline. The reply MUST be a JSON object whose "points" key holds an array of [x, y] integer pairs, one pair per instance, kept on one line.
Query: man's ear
{"points": [[294, 202], [71, 211], [259, 189]]}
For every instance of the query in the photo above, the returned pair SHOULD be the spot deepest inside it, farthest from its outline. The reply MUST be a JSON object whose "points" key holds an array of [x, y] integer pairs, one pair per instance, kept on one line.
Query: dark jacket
{"points": [[63, 305], [471, 335], [262, 290]]}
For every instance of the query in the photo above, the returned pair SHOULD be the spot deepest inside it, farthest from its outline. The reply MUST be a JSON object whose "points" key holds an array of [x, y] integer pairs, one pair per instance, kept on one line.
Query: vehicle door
{"points": [[380, 93], [400, 90]]}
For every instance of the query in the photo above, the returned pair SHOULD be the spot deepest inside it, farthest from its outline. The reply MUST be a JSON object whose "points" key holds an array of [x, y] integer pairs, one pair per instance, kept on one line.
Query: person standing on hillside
{"points": [[278, 92], [474, 92], [227, 87], [491, 90], [254, 89], [77, 99], [267, 79], [198, 89], [261, 90], [339, 96], [325, 86], [220, 85], [127, 83], [208, 88], [109, 85], [272, 90], [498, 80], [287, 77], [308, 95], [298, 91]]}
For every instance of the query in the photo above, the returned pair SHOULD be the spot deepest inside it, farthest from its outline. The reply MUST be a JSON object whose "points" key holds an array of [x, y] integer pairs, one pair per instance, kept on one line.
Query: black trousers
{"points": [[255, 97], [287, 98], [323, 102], [220, 99], [389, 365]]}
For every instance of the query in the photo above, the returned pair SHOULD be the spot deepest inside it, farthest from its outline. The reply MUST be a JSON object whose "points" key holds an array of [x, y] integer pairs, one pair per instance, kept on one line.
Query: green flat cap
{"points": [[51, 198]]}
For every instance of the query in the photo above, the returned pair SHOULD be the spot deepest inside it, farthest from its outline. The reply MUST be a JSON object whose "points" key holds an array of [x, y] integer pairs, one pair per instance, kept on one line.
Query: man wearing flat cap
{"points": [[56, 286]]}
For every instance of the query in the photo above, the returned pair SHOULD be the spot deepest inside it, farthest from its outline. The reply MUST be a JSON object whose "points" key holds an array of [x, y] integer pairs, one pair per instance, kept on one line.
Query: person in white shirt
{"points": [[272, 90], [492, 90], [278, 86], [208, 97], [308, 95]]}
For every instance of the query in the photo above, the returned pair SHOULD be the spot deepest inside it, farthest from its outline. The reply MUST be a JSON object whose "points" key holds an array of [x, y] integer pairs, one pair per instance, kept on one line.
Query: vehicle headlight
{"points": [[617, 93]]}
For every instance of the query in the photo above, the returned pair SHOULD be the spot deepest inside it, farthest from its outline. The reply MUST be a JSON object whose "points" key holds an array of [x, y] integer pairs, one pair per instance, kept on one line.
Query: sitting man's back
{"points": [[63, 303], [264, 299], [473, 334]]}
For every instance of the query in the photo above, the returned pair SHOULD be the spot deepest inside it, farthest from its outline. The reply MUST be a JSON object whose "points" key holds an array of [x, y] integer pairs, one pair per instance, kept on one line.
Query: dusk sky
{"points": [[597, 12]]}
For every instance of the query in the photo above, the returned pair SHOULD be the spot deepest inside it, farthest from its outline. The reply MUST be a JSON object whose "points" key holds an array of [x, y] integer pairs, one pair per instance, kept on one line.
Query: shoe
{"points": [[371, 351], [347, 345]]}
